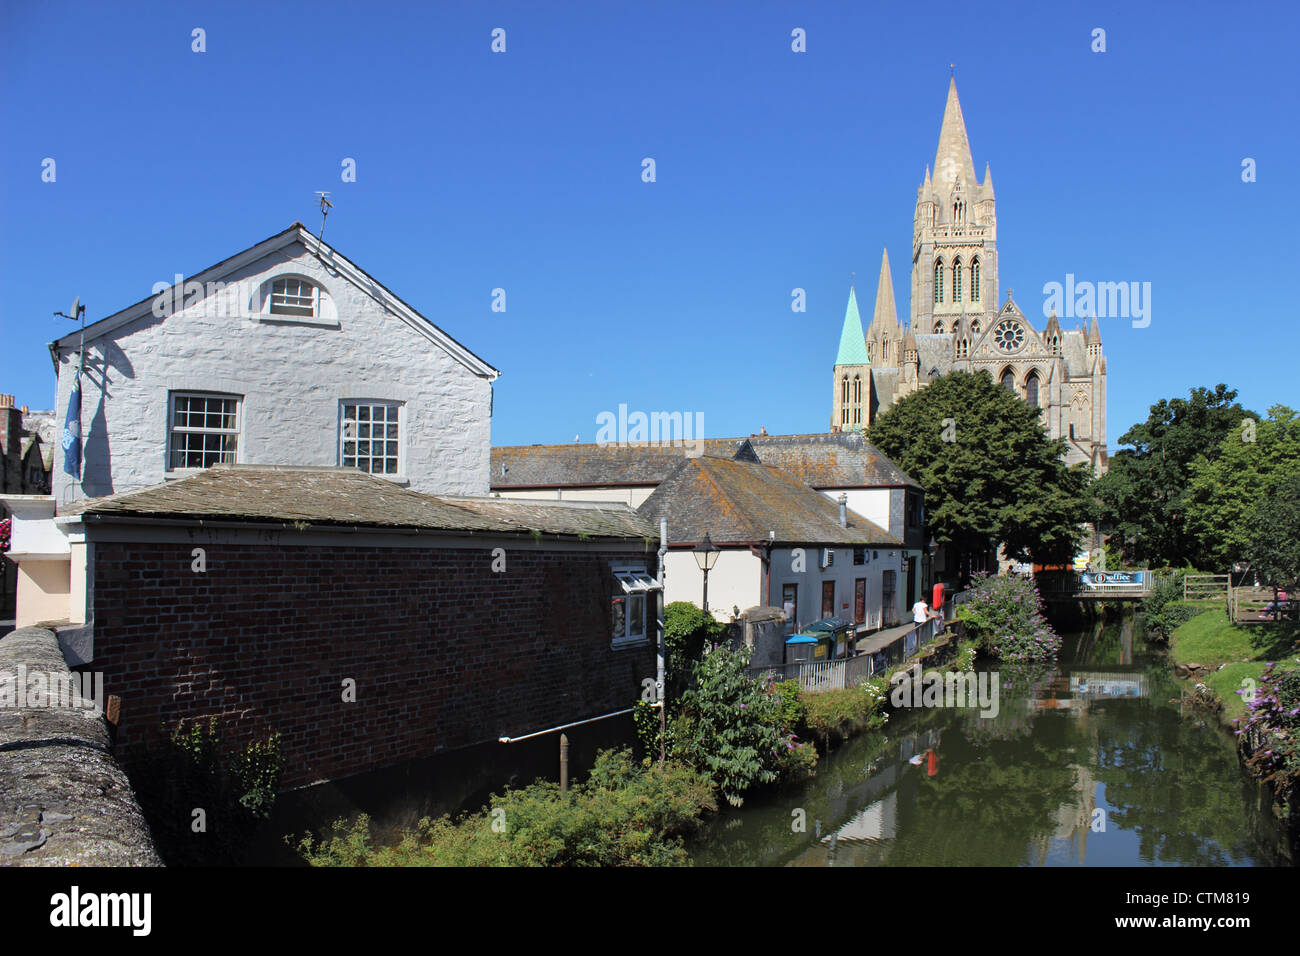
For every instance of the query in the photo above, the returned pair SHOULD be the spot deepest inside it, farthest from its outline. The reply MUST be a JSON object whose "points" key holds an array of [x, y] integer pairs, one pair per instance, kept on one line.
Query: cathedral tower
{"points": [[851, 378], [954, 235]]}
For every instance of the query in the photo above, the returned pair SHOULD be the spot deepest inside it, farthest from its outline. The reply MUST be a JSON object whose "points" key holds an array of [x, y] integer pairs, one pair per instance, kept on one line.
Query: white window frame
{"points": [[173, 428], [315, 298], [344, 403], [635, 586]]}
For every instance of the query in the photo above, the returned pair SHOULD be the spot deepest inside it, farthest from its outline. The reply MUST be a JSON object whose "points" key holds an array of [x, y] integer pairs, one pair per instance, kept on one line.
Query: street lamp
{"points": [[706, 555], [933, 548]]}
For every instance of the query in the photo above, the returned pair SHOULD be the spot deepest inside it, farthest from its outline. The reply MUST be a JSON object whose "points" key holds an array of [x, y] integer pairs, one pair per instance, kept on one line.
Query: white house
{"points": [[781, 543], [285, 353], [877, 493]]}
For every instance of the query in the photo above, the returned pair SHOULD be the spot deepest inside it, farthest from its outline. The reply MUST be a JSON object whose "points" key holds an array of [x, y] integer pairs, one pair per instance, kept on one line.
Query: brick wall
{"points": [[445, 653]]}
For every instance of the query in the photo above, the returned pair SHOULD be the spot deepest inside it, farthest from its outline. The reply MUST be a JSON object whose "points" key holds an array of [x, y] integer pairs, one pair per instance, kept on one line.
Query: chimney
{"points": [[844, 510], [6, 401]]}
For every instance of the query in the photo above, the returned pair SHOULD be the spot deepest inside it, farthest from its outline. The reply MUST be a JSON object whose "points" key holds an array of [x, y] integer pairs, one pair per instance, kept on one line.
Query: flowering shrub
{"points": [[1271, 727], [728, 725], [1005, 615], [5, 528]]}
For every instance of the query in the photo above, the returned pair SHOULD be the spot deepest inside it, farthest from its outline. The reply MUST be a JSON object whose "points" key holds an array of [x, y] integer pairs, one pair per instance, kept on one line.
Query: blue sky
{"points": [[775, 170]]}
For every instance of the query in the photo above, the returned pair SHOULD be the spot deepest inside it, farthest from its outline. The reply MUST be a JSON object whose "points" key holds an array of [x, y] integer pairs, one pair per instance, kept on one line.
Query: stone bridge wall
{"points": [[64, 801]]}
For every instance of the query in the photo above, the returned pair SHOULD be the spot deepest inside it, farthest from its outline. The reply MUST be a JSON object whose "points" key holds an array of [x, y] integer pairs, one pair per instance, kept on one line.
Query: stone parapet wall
{"points": [[64, 801]]}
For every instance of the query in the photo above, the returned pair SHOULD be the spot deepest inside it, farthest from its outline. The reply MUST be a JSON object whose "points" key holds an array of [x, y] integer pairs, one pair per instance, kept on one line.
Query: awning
{"points": [[636, 582]]}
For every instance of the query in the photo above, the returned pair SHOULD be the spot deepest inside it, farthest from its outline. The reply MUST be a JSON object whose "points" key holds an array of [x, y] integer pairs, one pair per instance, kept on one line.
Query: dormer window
{"points": [[293, 296]]}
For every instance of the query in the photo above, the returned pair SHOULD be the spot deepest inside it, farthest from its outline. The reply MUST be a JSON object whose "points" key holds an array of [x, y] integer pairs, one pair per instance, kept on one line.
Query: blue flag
{"points": [[72, 431]]}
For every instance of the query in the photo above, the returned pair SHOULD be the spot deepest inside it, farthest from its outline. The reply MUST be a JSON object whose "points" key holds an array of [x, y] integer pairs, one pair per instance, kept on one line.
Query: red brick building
{"points": [[365, 623]]}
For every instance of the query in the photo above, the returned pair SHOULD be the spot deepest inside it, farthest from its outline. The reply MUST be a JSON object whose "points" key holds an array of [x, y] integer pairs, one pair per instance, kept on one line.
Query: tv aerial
{"points": [[325, 206]]}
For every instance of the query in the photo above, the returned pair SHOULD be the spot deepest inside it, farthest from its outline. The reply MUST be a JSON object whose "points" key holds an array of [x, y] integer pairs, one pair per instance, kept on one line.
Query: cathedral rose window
{"points": [[1009, 336]]}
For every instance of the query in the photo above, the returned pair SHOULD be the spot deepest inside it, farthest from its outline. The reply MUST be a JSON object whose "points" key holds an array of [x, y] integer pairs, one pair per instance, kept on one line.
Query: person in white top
{"points": [[921, 612]]}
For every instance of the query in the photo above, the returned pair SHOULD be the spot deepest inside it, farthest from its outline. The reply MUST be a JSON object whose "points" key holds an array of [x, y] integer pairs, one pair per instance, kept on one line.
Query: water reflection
{"points": [[1089, 762]]}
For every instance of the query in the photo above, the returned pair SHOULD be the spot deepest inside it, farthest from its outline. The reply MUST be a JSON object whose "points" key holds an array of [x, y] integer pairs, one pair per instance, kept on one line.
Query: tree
{"points": [[1231, 482], [987, 467], [1274, 548], [1144, 494]]}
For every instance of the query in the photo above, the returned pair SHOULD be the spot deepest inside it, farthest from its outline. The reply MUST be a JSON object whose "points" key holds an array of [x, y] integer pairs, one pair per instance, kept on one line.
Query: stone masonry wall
{"points": [[444, 652], [64, 801]]}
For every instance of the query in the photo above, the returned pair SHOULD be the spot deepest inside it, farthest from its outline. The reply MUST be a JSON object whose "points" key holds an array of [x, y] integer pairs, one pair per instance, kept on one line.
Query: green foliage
{"points": [[1005, 616], [256, 771], [727, 726], [688, 633], [645, 718], [1239, 483], [622, 815], [839, 713], [1147, 491], [189, 769], [1000, 476], [1274, 543], [792, 711]]}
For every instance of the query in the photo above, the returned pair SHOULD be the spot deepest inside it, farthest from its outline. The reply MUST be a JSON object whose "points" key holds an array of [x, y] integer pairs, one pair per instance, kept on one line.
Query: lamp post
{"points": [[706, 555], [933, 548]]}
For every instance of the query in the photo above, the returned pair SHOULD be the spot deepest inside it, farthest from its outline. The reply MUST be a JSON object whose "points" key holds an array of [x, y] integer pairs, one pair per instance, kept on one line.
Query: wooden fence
{"points": [[1206, 587]]}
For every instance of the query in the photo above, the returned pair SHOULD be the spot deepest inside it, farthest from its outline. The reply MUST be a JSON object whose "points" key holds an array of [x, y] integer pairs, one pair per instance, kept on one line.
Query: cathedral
{"points": [[956, 323]]}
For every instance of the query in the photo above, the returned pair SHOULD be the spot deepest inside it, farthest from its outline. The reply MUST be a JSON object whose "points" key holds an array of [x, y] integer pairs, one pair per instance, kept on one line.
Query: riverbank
{"points": [[1092, 763], [1229, 659]]}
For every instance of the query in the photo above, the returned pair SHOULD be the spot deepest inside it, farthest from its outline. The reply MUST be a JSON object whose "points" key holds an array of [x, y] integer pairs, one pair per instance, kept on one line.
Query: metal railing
{"points": [[816, 677]]}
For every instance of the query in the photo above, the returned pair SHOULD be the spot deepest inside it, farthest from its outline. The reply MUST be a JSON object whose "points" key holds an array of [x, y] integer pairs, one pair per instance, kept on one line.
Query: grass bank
{"points": [[1231, 654]]}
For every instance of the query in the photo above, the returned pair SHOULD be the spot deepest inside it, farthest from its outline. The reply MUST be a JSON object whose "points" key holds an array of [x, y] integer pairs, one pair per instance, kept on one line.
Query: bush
{"points": [[622, 815], [1273, 725], [838, 713], [1005, 616], [688, 633], [727, 726], [188, 769], [1163, 609]]}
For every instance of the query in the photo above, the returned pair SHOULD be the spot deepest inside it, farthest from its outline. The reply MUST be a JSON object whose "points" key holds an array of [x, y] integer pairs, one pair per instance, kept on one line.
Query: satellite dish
{"points": [[76, 304]]}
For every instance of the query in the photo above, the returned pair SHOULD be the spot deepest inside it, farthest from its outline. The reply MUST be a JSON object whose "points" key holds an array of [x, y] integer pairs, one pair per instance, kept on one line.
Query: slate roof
{"points": [[830, 460], [741, 502], [345, 497]]}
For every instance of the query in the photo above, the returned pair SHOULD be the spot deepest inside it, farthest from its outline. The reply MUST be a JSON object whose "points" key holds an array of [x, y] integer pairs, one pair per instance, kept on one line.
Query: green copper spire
{"points": [[853, 343]]}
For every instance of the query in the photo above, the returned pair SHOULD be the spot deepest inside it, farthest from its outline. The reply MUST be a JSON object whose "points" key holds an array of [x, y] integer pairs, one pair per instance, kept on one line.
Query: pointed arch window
{"points": [[956, 279], [938, 281], [1008, 380], [844, 389], [938, 328], [934, 373], [1031, 388], [975, 326], [975, 279]]}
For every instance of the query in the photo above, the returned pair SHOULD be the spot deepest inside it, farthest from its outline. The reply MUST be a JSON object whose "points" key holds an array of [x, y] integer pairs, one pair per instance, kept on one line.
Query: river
{"points": [[1096, 762]]}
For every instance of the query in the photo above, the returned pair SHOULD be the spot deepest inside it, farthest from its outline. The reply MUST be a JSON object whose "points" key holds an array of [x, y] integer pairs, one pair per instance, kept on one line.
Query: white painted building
{"points": [[284, 354], [781, 544], [887, 565]]}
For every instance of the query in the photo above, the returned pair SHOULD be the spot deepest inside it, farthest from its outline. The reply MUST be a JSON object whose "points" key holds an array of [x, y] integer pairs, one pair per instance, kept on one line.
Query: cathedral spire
{"points": [[885, 312], [853, 344], [953, 158]]}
